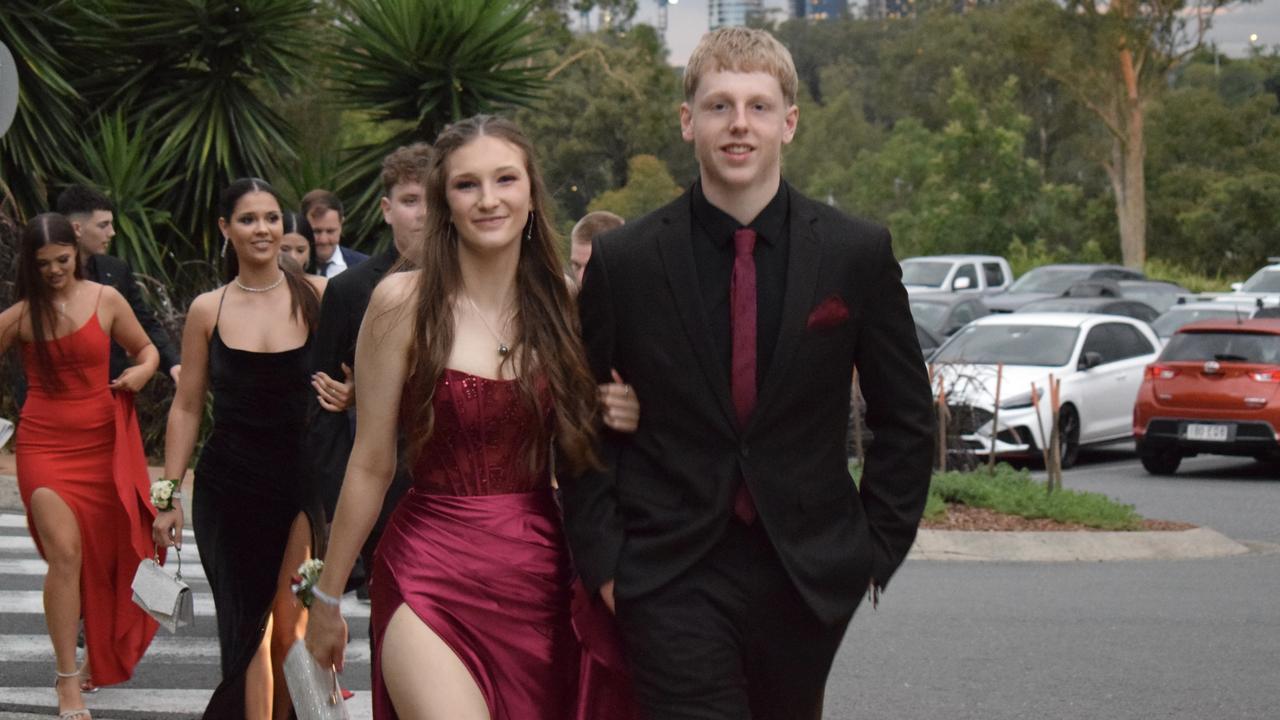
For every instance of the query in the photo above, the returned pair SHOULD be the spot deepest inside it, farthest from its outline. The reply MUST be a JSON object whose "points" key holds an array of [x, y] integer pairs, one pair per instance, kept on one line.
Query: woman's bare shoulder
{"points": [[204, 308]]}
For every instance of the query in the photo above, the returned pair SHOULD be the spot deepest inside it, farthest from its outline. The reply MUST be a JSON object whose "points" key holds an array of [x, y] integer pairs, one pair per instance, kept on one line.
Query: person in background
{"points": [[256, 513], [591, 226], [298, 241], [82, 473], [323, 210], [92, 215], [331, 429]]}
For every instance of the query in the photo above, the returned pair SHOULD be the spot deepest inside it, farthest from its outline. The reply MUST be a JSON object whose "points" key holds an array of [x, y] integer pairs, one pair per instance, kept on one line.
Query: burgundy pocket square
{"points": [[829, 313]]}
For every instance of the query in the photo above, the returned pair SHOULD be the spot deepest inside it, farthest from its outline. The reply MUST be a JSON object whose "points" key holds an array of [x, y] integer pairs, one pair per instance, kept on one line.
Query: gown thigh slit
{"points": [[248, 492], [475, 550], [81, 441]]}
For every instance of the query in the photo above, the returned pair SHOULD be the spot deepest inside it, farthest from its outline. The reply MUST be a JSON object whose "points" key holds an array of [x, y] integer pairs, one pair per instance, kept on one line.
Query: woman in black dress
{"points": [[255, 518]]}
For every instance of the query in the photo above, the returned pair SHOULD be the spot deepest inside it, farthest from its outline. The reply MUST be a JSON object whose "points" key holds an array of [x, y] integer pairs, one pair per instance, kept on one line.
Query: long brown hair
{"points": [[304, 301], [548, 344], [44, 229]]}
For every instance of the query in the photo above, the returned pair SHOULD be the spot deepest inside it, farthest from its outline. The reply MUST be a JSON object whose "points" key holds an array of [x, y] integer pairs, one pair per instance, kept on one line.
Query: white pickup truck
{"points": [[956, 273]]}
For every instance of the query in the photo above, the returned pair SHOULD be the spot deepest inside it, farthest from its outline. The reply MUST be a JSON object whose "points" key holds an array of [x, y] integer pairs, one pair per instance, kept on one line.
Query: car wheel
{"points": [[1068, 436], [1161, 462]]}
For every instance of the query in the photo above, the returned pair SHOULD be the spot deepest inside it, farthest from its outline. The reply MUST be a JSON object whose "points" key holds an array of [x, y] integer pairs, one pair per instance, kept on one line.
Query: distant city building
{"points": [[726, 13], [891, 8], [819, 9]]}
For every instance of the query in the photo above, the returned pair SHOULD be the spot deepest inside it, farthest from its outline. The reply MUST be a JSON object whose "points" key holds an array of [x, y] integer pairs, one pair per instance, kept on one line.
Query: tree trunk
{"points": [[1128, 179]]}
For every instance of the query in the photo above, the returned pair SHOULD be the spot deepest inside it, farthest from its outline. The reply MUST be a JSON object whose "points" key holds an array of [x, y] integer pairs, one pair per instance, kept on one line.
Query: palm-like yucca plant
{"points": [[426, 63], [128, 166], [41, 36], [195, 68]]}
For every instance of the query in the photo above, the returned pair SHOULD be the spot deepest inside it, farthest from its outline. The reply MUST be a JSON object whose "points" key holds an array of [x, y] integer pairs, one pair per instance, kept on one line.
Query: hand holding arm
{"points": [[619, 406], [333, 395]]}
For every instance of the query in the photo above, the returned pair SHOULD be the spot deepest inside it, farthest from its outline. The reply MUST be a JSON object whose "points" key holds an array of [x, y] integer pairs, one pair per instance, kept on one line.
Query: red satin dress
{"points": [[82, 441], [475, 549]]}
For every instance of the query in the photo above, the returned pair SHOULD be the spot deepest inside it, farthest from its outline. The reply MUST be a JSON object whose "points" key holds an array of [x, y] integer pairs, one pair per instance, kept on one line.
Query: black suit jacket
{"points": [[329, 434], [113, 271], [665, 496]]}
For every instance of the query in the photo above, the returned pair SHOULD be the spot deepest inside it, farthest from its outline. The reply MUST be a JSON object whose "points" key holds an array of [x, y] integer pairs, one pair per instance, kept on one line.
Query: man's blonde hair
{"points": [[740, 49]]}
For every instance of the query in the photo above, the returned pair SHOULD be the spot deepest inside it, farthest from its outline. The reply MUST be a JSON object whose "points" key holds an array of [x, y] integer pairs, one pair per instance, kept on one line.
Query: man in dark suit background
{"points": [[92, 215], [324, 212], [331, 431], [727, 532]]}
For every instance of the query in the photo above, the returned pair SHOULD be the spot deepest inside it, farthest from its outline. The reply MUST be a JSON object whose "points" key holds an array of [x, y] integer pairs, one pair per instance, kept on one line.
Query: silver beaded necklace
{"points": [[268, 288]]}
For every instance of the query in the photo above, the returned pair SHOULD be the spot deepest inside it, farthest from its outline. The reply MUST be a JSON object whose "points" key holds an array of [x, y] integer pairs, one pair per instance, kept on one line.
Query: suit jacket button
{"points": [[745, 451]]}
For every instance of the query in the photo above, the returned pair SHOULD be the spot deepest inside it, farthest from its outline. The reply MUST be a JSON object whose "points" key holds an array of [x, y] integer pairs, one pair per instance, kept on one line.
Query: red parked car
{"points": [[1214, 389]]}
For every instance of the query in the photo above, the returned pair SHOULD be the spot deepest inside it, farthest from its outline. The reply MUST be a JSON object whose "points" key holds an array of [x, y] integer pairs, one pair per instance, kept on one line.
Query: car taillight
{"points": [[1161, 372], [1270, 376]]}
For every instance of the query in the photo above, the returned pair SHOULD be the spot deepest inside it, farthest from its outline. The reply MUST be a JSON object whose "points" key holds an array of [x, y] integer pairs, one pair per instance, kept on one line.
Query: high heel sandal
{"points": [[79, 713]]}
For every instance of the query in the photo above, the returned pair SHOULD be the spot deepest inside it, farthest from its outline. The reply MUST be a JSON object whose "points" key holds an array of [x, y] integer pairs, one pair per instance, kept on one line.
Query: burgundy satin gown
{"points": [[475, 550]]}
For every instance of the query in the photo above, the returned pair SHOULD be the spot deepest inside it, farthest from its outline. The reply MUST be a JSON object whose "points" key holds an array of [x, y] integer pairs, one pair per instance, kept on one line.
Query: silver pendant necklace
{"points": [[503, 348], [268, 288]]}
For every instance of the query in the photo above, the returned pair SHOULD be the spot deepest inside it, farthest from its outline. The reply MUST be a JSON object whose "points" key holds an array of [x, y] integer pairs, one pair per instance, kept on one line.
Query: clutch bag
{"points": [[163, 596], [313, 689]]}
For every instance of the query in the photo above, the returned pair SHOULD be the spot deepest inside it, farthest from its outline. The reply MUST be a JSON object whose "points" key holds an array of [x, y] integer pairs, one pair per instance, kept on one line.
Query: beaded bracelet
{"points": [[325, 597]]}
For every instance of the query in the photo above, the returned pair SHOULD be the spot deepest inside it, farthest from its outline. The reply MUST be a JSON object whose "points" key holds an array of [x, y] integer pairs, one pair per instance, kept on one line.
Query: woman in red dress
{"points": [[476, 360], [81, 469]]}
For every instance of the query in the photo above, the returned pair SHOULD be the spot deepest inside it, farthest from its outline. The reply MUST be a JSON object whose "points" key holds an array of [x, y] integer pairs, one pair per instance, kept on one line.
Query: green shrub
{"points": [[1015, 492]]}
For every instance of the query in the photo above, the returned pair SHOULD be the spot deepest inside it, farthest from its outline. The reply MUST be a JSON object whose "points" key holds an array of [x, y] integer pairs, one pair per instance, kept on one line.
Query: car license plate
{"points": [[1210, 433]]}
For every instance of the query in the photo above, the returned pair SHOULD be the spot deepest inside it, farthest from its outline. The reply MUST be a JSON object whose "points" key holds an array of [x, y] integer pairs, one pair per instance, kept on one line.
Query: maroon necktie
{"points": [[742, 297]]}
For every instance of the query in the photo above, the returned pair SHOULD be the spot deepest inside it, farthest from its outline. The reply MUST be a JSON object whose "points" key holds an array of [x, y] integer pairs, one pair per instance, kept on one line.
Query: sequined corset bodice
{"points": [[483, 433]]}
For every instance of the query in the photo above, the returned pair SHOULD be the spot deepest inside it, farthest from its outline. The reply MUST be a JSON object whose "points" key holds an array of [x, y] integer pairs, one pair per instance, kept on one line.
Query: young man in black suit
{"points": [[92, 215], [726, 532], [331, 431]]}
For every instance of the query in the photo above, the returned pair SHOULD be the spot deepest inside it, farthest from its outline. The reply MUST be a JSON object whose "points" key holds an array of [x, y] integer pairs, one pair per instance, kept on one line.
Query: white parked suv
{"points": [[1100, 360], [956, 273]]}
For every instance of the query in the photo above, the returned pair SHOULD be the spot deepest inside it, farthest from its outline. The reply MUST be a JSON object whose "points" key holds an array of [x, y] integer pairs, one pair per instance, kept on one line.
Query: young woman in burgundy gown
{"points": [[477, 359], [82, 473], [256, 515]]}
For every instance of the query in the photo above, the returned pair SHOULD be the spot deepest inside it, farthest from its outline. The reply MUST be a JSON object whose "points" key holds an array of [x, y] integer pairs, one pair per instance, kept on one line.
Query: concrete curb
{"points": [[951, 545], [1068, 546]]}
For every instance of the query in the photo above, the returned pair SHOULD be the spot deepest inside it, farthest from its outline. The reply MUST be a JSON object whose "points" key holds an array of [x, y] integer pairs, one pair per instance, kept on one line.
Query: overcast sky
{"points": [[687, 20]]}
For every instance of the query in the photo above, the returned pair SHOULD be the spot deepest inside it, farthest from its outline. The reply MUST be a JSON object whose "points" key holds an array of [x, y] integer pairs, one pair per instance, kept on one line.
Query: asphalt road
{"points": [[1169, 639]]}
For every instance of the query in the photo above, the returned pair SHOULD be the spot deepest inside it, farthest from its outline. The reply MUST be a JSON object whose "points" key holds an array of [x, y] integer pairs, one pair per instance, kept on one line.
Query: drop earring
{"points": [[225, 240], [528, 231]]}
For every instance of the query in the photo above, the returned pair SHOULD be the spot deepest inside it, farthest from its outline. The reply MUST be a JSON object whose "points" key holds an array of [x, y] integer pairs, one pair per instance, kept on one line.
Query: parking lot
{"points": [[1161, 639]]}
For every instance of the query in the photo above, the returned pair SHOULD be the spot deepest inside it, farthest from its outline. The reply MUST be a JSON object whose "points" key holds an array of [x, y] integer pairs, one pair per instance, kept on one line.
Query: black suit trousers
{"points": [[729, 639]]}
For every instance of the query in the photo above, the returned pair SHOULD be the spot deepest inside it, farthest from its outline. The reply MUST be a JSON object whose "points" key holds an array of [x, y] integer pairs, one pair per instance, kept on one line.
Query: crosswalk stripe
{"points": [[168, 702], [8, 566], [31, 602], [23, 544], [170, 648], [12, 520]]}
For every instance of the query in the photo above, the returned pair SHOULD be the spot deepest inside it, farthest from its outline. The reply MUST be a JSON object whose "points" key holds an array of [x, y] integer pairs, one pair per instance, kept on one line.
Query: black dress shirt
{"points": [[713, 254]]}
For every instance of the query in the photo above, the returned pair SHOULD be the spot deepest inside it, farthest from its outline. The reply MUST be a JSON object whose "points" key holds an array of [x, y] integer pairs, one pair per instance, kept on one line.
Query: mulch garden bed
{"points": [[963, 517]]}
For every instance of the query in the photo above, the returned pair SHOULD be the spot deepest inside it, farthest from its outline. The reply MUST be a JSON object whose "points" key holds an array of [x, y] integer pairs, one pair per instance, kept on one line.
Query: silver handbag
{"points": [[313, 689], [165, 597]]}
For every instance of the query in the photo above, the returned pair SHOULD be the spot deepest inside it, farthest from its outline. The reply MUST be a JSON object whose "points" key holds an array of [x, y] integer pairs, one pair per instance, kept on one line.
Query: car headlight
{"points": [[1021, 400]]}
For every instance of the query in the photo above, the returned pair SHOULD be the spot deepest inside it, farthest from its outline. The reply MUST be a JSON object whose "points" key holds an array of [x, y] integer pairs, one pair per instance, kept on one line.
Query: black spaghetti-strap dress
{"points": [[248, 490]]}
